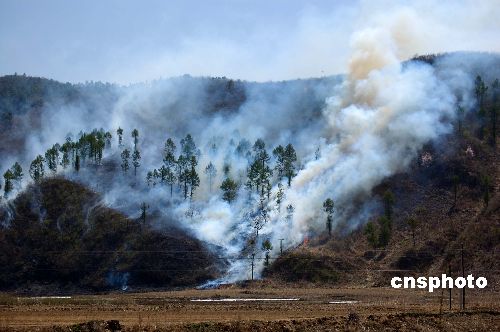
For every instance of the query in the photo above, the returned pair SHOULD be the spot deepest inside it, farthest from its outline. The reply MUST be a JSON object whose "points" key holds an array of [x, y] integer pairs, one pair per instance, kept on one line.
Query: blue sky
{"points": [[128, 41]]}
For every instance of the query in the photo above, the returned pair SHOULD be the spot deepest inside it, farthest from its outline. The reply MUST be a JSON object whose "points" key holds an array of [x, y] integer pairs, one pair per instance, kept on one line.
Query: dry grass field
{"points": [[353, 309]]}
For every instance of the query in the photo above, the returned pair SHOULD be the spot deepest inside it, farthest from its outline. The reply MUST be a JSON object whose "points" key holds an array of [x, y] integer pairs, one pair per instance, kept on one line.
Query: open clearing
{"points": [[257, 308]]}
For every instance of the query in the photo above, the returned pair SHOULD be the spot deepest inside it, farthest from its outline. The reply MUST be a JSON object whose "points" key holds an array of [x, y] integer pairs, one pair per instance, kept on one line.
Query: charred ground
{"points": [[425, 193], [58, 237]]}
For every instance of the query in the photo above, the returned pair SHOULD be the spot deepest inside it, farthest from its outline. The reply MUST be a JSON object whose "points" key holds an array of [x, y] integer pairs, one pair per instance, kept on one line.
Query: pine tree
{"points": [[259, 173], [480, 89], [169, 164], [169, 176], [169, 148], [328, 206], [267, 247], [17, 172], [460, 119], [243, 149], [8, 185], [211, 172], [149, 178], [226, 169], [119, 133], [107, 138], [279, 196], [188, 147], [37, 169], [135, 136], [156, 176], [77, 162], [66, 150], [136, 160], [194, 179], [289, 212], [183, 171], [229, 190], [144, 208], [279, 155], [125, 155], [289, 165], [52, 158]]}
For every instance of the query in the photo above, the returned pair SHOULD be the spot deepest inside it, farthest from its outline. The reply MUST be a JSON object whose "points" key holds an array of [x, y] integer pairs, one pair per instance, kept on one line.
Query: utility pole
{"points": [[449, 275], [463, 276], [253, 258], [281, 246]]}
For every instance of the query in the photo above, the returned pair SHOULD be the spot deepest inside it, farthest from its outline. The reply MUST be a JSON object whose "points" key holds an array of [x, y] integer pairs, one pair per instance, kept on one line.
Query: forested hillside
{"points": [[316, 180]]}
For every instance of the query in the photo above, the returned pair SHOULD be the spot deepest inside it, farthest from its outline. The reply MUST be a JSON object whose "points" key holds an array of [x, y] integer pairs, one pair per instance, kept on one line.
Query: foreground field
{"points": [[305, 309]]}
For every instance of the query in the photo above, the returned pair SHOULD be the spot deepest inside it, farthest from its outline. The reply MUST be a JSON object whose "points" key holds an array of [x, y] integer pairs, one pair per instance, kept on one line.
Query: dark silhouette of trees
{"points": [[37, 170], [183, 173], [460, 119], [279, 155], [167, 171], [285, 162], [259, 174], [17, 173], [267, 247], [77, 162], [119, 133], [8, 177], [52, 158], [188, 147], [280, 194], [67, 152], [194, 179], [328, 207], [135, 136], [125, 155], [229, 190], [136, 160], [289, 166], [289, 212], [144, 209], [149, 178]]}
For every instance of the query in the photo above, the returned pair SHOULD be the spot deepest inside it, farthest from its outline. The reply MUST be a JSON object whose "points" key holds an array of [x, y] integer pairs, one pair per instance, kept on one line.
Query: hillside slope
{"points": [[57, 235], [425, 193]]}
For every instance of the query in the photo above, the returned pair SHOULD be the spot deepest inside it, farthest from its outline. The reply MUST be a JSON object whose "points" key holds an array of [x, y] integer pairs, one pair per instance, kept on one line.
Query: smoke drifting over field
{"points": [[368, 125]]}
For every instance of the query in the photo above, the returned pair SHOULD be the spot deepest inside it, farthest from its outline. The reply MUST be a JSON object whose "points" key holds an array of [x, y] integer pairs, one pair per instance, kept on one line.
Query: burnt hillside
{"points": [[57, 235], [426, 194]]}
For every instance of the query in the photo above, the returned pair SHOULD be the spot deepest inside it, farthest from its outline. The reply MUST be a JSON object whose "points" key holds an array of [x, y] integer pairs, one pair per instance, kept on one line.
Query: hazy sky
{"points": [[128, 41]]}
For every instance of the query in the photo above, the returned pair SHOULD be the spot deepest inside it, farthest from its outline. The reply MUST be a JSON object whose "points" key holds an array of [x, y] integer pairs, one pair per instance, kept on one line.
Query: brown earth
{"points": [[375, 309]]}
